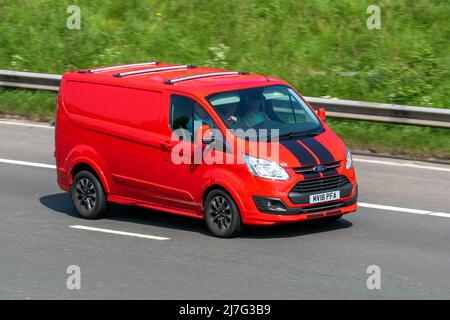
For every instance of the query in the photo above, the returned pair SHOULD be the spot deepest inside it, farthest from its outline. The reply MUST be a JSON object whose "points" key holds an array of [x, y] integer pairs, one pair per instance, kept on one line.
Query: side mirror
{"points": [[322, 114], [204, 135]]}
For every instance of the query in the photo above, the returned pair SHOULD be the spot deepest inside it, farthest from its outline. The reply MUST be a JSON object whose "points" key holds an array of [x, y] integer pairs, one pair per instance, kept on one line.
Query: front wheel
{"points": [[222, 214], [88, 196]]}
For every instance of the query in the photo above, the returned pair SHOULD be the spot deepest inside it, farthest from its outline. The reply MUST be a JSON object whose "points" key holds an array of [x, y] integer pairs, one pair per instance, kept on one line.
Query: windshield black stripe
{"points": [[301, 153], [319, 150]]}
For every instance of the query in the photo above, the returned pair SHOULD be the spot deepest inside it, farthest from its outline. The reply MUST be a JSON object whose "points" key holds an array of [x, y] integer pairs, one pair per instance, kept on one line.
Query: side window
{"points": [[186, 116]]}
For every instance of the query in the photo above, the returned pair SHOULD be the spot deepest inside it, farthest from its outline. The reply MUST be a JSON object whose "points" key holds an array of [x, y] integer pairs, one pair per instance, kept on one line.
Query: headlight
{"points": [[348, 160], [265, 168]]}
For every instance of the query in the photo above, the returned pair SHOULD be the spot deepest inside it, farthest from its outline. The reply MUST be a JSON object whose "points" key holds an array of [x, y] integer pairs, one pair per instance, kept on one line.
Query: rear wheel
{"points": [[222, 214], [88, 196]]}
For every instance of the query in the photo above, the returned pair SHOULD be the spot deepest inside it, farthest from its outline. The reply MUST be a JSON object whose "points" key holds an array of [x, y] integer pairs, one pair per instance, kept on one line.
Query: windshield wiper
{"points": [[299, 134], [290, 135]]}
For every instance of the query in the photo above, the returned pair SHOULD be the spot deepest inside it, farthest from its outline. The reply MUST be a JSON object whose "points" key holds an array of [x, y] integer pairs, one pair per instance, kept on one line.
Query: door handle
{"points": [[166, 145]]}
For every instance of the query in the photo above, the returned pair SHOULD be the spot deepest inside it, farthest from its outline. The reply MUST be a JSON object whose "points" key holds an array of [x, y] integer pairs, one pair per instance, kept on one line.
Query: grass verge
{"points": [[34, 105], [416, 142]]}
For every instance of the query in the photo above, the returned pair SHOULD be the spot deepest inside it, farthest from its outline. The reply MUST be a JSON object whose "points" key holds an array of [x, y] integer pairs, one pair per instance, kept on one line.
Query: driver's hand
{"points": [[232, 118]]}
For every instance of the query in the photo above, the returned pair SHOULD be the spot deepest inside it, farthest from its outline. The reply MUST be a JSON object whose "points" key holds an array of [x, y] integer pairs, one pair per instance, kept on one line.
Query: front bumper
{"points": [[264, 215]]}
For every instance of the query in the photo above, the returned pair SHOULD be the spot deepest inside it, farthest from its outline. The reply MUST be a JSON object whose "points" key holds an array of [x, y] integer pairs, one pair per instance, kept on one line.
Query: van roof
{"points": [[187, 78]]}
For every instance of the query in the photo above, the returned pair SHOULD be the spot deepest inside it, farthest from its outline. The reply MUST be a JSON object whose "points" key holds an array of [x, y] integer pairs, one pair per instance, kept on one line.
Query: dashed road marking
{"points": [[361, 204], [401, 164], [28, 164], [122, 233], [26, 124], [406, 210]]}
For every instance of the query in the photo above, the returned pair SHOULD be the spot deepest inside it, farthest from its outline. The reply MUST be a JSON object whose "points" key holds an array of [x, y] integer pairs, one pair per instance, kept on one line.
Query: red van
{"points": [[229, 147]]}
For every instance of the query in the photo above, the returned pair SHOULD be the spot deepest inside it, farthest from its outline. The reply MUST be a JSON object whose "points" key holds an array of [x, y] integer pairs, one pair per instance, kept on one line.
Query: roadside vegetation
{"points": [[399, 140], [322, 47]]}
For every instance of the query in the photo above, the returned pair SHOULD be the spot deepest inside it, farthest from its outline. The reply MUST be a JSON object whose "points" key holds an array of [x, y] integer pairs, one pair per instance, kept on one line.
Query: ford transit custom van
{"points": [[229, 147]]}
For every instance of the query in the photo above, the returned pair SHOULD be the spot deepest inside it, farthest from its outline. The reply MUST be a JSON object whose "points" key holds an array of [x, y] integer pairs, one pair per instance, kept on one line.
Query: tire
{"points": [[88, 196], [222, 214]]}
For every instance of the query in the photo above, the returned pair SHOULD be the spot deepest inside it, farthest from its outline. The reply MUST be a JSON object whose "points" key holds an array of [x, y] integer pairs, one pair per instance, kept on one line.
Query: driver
{"points": [[254, 115], [229, 116]]}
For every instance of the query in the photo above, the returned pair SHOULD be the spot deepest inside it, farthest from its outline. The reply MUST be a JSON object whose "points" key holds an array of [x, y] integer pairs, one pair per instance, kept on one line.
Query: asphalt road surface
{"points": [[402, 226]]}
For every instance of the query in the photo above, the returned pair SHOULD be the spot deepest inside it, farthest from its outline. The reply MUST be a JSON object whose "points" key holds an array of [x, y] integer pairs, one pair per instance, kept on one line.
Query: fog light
{"points": [[275, 206], [269, 205]]}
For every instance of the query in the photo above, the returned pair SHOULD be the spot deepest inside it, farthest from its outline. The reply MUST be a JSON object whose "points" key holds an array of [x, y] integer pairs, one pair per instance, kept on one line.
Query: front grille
{"points": [[310, 169], [322, 184]]}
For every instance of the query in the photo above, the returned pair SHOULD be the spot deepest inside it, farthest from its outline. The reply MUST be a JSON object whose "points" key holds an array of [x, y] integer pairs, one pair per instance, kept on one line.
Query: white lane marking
{"points": [[26, 124], [28, 164], [361, 204], [122, 233], [440, 214], [400, 209], [401, 164], [391, 208]]}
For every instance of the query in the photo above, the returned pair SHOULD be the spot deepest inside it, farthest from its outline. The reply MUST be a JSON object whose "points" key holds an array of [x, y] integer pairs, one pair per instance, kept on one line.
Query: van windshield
{"points": [[269, 112]]}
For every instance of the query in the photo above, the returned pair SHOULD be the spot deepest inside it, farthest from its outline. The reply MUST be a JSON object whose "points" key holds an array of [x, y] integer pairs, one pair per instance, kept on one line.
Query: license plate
{"points": [[323, 197]]}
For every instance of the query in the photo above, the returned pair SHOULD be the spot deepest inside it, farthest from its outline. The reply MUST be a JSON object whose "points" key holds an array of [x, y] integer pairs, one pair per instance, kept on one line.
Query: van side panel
{"points": [[114, 127], [129, 107]]}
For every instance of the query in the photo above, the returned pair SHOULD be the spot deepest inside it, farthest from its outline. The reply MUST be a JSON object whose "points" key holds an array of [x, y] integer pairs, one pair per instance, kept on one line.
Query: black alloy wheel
{"points": [[88, 196], [222, 215]]}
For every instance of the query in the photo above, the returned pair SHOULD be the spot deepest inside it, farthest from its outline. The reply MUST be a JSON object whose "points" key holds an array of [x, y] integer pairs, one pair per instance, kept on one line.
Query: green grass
{"points": [[322, 47], [308, 43], [35, 105], [402, 140]]}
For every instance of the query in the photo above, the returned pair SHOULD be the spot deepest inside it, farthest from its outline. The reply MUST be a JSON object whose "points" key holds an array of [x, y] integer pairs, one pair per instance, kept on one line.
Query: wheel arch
{"points": [[86, 165], [231, 192], [211, 188]]}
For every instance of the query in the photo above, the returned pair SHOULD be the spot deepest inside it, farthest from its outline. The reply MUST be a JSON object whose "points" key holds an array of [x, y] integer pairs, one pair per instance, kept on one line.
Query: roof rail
{"points": [[206, 75], [152, 63], [135, 72]]}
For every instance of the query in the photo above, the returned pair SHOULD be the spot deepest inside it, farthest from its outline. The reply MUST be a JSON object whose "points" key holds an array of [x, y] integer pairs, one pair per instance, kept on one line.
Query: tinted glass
{"points": [[186, 116], [272, 107]]}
